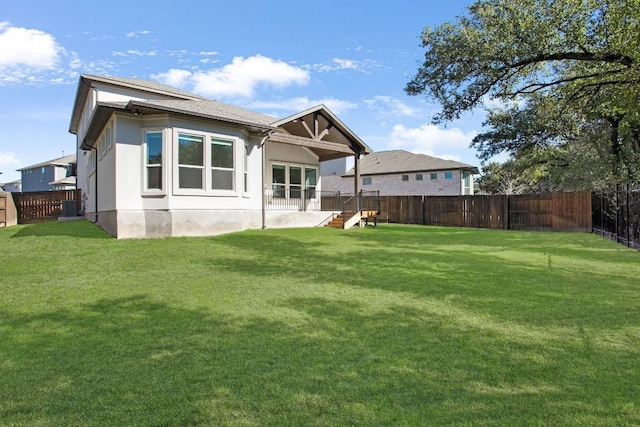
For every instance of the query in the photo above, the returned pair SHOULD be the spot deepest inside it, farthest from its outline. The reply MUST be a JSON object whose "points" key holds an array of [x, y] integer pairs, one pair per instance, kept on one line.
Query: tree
{"points": [[563, 69]]}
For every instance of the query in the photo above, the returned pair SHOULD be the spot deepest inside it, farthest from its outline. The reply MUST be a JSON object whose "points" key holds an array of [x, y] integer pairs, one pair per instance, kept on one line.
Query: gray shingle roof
{"points": [[60, 161], [212, 110], [144, 85], [399, 161]]}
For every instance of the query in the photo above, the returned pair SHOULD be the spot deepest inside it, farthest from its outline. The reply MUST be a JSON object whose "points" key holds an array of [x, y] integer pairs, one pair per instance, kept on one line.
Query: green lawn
{"points": [[394, 325]]}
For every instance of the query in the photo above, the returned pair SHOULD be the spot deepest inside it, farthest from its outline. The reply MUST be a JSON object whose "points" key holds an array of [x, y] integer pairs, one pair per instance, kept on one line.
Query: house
{"points": [[156, 161], [45, 175], [401, 173], [11, 187]]}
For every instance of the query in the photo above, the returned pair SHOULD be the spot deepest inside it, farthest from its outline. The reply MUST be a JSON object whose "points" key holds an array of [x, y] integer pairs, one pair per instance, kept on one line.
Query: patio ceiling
{"points": [[322, 132]]}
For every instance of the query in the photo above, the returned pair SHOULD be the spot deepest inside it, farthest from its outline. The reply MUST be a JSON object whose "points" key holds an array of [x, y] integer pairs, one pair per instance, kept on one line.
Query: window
{"points": [[153, 160], [405, 177], [310, 180], [190, 161], [222, 162], [448, 175], [295, 182], [43, 170], [418, 177], [366, 181], [278, 179], [287, 181], [246, 168], [434, 176]]}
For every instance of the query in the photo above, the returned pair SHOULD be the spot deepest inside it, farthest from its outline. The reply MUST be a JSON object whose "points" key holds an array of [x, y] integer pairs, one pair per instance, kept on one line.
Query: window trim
{"points": [[419, 177], [433, 176], [207, 189], [146, 191], [219, 168], [287, 184]]}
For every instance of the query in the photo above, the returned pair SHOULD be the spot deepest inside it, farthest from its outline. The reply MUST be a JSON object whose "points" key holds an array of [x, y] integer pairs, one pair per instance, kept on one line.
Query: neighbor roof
{"points": [[400, 161], [60, 161]]}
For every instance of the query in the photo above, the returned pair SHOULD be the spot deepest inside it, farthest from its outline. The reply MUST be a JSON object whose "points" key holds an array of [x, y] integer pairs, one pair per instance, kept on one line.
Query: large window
{"points": [[246, 167], [207, 164], [153, 161], [295, 182], [190, 161], [448, 175], [292, 181], [310, 182], [222, 164], [279, 180]]}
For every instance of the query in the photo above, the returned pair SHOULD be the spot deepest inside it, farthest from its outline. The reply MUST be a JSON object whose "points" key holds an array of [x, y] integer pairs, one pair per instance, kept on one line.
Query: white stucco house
{"points": [[156, 161]]}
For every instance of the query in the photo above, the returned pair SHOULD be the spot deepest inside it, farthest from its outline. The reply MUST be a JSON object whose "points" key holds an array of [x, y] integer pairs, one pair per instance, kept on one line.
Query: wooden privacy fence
{"points": [[8, 215], [43, 205], [545, 212]]}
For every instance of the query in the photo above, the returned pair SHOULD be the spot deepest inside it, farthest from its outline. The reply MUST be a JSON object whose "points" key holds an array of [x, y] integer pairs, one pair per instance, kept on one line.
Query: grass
{"points": [[394, 325]]}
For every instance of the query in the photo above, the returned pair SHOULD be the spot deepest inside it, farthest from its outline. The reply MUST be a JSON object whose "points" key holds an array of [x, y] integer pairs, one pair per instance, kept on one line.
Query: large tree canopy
{"points": [[561, 68]]}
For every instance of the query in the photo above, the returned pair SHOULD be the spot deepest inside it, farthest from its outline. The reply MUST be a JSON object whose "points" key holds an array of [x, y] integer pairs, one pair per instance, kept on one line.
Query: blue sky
{"points": [[274, 56]]}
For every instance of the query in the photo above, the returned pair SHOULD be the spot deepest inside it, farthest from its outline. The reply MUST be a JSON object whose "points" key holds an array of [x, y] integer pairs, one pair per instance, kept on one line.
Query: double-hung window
{"points": [[205, 163], [279, 181], [190, 161], [153, 161], [295, 182], [222, 164], [310, 182]]}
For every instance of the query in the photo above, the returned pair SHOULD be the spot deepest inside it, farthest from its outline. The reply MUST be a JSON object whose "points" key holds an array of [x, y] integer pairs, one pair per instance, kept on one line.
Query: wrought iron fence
{"points": [[616, 214], [295, 199]]}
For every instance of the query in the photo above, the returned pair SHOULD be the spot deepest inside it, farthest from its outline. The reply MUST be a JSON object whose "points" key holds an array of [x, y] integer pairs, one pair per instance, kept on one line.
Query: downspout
{"points": [[96, 186], [263, 189]]}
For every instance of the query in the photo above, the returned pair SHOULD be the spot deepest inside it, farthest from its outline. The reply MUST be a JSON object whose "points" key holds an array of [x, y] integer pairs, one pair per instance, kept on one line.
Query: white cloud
{"points": [[137, 33], [135, 52], [337, 64], [430, 139], [27, 47], [173, 77], [239, 78], [8, 159], [388, 105], [208, 53]]}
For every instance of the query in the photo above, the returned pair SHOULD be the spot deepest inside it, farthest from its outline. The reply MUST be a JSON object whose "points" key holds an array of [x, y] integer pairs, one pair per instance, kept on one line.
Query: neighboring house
{"points": [[11, 187], [41, 176], [401, 173], [158, 161]]}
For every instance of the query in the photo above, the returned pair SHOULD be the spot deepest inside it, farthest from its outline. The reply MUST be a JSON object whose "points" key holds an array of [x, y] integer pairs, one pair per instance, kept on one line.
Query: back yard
{"points": [[394, 325]]}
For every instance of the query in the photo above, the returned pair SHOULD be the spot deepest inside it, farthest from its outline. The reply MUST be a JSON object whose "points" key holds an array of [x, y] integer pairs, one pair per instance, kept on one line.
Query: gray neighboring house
{"points": [[11, 187], [56, 174], [401, 173]]}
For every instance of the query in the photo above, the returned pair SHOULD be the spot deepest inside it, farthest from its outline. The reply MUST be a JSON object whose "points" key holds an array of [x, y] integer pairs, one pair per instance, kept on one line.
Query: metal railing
{"points": [[295, 199]]}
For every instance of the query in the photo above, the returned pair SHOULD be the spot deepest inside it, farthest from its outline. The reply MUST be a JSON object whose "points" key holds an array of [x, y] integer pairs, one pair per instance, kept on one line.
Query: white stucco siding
{"points": [[127, 166], [130, 156]]}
